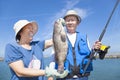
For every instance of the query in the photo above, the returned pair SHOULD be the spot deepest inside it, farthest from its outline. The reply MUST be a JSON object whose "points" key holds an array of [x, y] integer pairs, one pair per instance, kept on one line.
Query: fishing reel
{"points": [[103, 50]]}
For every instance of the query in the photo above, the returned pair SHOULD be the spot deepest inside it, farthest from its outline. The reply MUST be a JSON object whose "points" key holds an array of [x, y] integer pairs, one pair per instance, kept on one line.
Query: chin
{"points": [[71, 31]]}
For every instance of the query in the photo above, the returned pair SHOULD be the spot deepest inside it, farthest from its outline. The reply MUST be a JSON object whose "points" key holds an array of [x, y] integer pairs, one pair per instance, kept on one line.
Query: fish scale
{"points": [[60, 43]]}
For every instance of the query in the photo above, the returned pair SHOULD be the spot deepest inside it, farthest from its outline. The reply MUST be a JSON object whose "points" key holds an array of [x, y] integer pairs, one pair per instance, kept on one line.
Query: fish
{"points": [[60, 43]]}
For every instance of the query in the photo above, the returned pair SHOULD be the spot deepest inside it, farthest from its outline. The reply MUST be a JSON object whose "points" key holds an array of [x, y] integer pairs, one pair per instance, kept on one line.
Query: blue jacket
{"points": [[82, 52]]}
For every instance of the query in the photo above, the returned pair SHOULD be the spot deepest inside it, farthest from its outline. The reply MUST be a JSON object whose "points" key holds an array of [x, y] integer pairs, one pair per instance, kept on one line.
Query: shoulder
{"points": [[34, 42], [12, 52], [37, 42], [81, 35], [12, 45]]}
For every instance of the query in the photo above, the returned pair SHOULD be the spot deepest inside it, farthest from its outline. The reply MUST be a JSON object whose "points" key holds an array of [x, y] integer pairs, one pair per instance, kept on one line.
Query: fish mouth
{"points": [[60, 71]]}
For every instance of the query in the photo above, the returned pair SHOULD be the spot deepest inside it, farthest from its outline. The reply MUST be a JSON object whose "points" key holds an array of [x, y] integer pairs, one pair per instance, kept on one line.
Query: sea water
{"points": [[107, 69]]}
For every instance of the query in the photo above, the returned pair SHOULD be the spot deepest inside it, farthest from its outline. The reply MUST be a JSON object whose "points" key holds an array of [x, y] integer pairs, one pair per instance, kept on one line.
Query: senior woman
{"points": [[25, 57]]}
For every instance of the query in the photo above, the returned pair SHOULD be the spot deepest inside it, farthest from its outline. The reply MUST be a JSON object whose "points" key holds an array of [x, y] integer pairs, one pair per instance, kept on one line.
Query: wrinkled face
{"points": [[71, 23], [27, 33]]}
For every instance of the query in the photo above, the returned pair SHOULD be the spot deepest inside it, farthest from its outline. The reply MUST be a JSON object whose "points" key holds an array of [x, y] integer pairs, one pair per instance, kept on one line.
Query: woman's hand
{"points": [[51, 72], [50, 78]]}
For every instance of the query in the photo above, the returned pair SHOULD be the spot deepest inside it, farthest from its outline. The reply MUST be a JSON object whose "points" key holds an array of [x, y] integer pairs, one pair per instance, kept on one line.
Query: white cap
{"points": [[22, 23], [72, 12]]}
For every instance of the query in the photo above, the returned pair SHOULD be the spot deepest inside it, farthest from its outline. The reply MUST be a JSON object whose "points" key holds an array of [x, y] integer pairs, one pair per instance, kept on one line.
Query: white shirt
{"points": [[72, 38]]}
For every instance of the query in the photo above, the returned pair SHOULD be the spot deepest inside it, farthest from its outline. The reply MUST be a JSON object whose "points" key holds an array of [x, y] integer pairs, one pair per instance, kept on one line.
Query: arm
{"points": [[48, 43], [21, 71], [101, 49]]}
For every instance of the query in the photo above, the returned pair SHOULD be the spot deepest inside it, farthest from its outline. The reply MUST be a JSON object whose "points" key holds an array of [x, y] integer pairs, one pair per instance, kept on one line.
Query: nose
{"points": [[31, 29]]}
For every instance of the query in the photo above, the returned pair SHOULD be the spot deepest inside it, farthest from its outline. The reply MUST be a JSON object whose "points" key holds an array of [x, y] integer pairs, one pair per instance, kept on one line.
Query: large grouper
{"points": [[60, 43]]}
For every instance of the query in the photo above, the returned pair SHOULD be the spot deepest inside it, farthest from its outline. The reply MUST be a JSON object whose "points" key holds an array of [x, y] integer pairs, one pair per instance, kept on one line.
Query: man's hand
{"points": [[97, 45]]}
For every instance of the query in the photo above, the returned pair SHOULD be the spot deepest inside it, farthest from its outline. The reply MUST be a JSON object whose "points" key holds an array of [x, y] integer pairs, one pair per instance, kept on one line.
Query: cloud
{"points": [[69, 4]]}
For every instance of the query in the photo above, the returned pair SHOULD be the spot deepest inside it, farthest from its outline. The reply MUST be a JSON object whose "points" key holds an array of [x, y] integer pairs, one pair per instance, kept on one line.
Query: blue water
{"points": [[4, 71], [108, 69]]}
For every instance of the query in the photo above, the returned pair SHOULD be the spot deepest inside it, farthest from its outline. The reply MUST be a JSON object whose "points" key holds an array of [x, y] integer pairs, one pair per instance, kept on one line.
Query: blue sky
{"points": [[94, 15]]}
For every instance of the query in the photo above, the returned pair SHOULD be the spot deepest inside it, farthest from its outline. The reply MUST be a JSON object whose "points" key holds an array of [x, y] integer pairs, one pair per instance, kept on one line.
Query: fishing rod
{"points": [[100, 38]]}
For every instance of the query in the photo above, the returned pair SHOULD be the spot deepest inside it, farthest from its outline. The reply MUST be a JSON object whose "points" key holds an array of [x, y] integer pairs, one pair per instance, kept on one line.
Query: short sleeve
{"points": [[42, 44], [12, 53]]}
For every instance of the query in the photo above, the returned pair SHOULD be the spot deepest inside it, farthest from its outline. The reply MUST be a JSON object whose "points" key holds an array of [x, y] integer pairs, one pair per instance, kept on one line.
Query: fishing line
{"points": [[91, 57]]}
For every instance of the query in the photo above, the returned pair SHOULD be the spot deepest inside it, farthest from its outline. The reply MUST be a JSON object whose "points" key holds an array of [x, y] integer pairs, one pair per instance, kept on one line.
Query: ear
{"points": [[78, 22]]}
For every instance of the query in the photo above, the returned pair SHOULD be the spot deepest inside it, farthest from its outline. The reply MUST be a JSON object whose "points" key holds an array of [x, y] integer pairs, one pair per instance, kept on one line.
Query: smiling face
{"points": [[71, 23], [27, 33]]}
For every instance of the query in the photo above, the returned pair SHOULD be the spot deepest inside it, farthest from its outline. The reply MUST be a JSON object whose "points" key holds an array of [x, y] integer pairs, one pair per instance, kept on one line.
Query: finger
{"points": [[98, 42], [50, 78], [65, 73]]}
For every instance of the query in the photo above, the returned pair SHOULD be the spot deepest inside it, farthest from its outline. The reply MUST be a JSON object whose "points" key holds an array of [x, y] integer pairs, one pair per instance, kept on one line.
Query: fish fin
{"points": [[63, 38]]}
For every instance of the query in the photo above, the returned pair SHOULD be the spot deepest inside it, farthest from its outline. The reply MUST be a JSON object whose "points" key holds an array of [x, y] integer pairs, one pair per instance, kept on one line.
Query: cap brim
{"points": [[79, 18]]}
